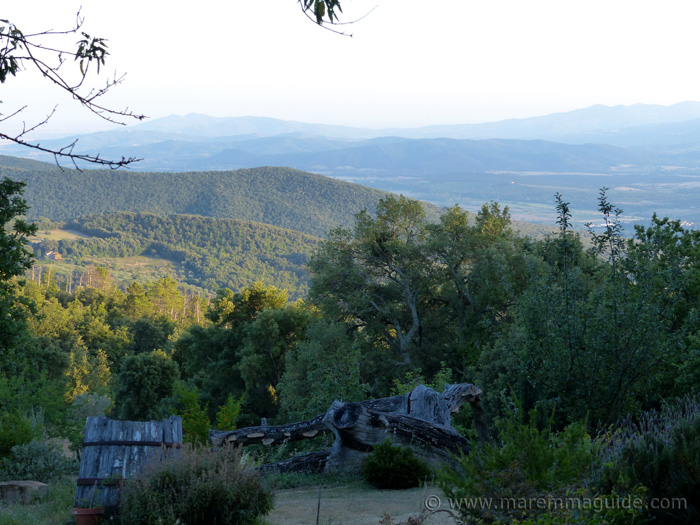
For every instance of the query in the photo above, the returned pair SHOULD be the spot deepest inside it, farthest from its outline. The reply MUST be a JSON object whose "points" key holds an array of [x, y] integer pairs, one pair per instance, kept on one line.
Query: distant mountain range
{"points": [[649, 155], [587, 122]]}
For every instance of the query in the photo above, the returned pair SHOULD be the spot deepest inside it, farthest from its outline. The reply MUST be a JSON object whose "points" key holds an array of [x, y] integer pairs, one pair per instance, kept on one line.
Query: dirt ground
{"points": [[354, 505]]}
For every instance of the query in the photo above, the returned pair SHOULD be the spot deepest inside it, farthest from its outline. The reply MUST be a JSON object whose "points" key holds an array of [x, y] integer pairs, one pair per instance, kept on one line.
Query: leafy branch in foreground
{"points": [[47, 53], [326, 12]]}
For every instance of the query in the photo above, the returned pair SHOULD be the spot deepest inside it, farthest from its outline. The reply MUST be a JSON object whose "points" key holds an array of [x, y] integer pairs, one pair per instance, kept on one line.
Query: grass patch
{"points": [[58, 235], [294, 480], [56, 508]]}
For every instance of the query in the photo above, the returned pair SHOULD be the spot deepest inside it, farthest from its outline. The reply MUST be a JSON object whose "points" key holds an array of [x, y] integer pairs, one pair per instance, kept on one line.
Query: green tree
{"points": [[492, 221], [144, 381], [14, 260], [595, 335], [137, 305], [323, 367], [373, 276], [262, 357], [195, 422], [236, 355], [87, 373], [227, 415], [149, 334]]}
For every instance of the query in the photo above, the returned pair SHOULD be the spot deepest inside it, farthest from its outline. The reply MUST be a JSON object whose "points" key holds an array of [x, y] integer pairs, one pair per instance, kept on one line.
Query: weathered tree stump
{"points": [[358, 429], [420, 419]]}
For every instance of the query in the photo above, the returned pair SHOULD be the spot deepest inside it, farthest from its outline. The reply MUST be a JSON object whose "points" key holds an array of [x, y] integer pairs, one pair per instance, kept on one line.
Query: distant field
{"points": [[123, 270], [58, 235], [137, 264]]}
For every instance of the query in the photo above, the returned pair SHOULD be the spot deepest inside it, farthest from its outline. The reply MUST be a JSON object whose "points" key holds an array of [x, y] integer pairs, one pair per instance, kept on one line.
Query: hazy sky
{"points": [[409, 63]]}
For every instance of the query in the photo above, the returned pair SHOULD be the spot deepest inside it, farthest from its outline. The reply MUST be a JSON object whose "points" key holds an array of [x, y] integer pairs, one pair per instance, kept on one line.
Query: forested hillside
{"points": [[587, 342], [281, 197], [209, 253]]}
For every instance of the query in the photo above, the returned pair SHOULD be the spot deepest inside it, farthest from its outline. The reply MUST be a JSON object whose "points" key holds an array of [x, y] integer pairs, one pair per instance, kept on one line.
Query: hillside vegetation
{"points": [[208, 253], [281, 197]]}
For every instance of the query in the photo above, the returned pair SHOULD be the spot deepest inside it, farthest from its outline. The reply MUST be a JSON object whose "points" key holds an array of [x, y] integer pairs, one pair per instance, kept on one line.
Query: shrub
{"points": [[394, 467], [528, 462], [661, 452], [38, 461], [16, 429], [195, 485], [228, 413], [195, 422]]}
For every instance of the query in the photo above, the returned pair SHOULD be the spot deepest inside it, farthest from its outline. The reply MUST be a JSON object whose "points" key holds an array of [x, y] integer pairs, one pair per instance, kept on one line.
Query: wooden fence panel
{"points": [[115, 450]]}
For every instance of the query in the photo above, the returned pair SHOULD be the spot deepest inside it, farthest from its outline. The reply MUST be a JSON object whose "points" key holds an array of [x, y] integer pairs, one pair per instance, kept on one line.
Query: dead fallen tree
{"points": [[270, 435], [420, 419]]}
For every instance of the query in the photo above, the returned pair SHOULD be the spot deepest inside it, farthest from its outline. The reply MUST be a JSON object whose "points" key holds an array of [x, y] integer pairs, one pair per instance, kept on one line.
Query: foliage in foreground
{"points": [[394, 467], [38, 461], [526, 462], [647, 469], [660, 451], [195, 485], [53, 509]]}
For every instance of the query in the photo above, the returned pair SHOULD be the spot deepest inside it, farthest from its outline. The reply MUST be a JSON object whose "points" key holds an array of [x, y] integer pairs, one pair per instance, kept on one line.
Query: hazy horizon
{"points": [[404, 66]]}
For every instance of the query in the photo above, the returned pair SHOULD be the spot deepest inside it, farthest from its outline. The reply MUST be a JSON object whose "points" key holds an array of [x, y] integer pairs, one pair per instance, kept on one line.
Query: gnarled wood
{"points": [[420, 419], [270, 435], [358, 429], [313, 463]]}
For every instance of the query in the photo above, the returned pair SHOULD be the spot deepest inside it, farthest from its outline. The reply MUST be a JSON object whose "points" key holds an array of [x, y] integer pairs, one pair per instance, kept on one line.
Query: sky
{"points": [[407, 64]]}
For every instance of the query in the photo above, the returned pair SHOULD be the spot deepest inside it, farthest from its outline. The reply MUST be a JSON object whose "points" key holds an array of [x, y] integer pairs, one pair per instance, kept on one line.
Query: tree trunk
{"points": [[313, 463], [269, 435], [420, 419], [358, 429]]}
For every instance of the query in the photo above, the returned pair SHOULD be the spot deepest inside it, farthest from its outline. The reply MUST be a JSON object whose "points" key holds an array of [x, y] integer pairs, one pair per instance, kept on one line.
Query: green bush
{"points": [[394, 467], [661, 452], [195, 485], [16, 429], [37, 461], [527, 462], [195, 422]]}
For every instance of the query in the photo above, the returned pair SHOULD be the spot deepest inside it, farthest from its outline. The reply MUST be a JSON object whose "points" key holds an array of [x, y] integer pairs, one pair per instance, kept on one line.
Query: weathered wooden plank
{"points": [[119, 454]]}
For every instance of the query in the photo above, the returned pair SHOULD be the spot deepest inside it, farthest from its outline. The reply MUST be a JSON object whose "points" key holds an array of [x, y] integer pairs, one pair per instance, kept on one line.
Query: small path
{"points": [[353, 505]]}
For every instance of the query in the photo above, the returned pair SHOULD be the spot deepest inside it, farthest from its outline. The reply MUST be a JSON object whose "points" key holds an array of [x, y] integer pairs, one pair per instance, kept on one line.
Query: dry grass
{"points": [[355, 504], [58, 235]]}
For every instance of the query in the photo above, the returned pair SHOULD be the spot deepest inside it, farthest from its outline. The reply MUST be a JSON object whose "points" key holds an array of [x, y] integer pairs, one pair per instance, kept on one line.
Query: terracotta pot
{"points": [[88, 516]]}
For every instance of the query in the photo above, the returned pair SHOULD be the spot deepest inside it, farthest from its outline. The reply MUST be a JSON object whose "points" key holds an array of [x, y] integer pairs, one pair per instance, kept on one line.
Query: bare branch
{"points": [[67, 152], [19, 51]]}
